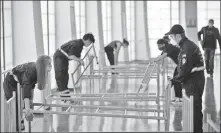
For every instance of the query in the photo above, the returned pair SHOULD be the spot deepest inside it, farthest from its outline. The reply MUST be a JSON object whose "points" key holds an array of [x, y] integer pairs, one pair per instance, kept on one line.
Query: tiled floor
{"points": [[65, 123]]}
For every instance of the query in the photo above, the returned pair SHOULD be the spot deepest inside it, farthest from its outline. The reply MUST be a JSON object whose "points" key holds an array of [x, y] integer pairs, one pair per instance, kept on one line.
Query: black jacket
{"points": [[27, 76], [189, 57], [215, 31]]}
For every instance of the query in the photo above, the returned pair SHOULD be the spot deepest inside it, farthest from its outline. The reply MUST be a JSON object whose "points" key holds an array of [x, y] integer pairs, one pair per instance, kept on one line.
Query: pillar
{"points": [[124, 29], [188, 18], [100, 33], [146, 30], [116, 25], [140, 37], [31, 38]]}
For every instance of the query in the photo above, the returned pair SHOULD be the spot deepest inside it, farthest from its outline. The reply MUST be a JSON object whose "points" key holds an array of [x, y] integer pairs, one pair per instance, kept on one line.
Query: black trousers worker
{"points": [[195, 86]]}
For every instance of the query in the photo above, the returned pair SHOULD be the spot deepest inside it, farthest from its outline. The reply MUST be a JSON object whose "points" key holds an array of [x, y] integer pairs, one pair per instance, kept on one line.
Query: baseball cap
{"points": [[176, 29]]}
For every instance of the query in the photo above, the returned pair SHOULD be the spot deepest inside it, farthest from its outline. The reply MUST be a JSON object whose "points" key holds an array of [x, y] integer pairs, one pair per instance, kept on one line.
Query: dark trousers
{"points": [[110, 54], [177, 86], [209, 54], [195, 86], [9, 86], [61, 72]]}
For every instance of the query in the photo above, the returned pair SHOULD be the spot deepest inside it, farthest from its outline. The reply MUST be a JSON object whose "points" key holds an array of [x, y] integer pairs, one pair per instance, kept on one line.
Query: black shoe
{"points": [[22, 125]]}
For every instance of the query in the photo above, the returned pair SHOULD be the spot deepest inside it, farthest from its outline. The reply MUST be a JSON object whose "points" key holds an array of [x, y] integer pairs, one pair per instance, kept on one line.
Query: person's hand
{"points": [[169, 78], [28, 115], [81, 62], [201, 42]]}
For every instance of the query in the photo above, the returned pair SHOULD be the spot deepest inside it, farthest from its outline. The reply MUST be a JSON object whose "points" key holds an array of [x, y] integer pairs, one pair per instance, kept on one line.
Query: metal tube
{"points": [[84, 71], [103, 107], [98, 114], [103, 99], [19, 106]]}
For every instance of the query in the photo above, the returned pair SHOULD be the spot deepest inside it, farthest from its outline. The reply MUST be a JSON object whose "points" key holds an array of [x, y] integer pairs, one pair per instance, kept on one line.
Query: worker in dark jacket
{"points": [[112, 50], [171, 51], [69, 51], [189, 59], [208, 43], [27, 75]]}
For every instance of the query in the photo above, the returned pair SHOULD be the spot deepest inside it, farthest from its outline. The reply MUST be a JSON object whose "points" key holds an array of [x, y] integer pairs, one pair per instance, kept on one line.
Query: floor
{"points": [[66, 123]]}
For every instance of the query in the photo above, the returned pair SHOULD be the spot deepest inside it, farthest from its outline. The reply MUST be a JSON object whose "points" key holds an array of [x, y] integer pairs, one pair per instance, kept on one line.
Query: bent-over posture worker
{"points": [[69, 51], [27, 75], [172, 52], [112, 50]]}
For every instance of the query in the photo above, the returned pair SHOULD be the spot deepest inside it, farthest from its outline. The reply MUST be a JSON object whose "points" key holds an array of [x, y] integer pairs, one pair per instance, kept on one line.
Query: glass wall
{"points": [[106, 18], [48, 25], [80, 18], [160, 19], [130, 21], [6, 35]]}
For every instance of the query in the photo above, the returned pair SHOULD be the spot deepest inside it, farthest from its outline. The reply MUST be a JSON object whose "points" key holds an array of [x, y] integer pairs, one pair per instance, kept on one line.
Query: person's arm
{"points": [[199, 34], [199, 37], [162, 56], [116, 53], [218, 37]]}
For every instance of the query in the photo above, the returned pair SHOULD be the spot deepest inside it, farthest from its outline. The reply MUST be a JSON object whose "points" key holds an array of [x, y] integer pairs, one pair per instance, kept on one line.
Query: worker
{"points": [[171, 51], [27, 75], [190, 58], [210, 35], [69, 51], [112, 50]]}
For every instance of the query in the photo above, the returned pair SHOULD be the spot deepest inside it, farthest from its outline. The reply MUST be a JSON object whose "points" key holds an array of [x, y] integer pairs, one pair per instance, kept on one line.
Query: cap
{"points": [[176, 29]]}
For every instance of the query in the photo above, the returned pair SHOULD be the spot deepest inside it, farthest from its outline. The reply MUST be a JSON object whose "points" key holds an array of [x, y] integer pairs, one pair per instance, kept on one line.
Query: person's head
{"points": [[125, 43], [161, 44], [166, 38], [176, 33], [88, 39], [211, 23], [43, 66]]}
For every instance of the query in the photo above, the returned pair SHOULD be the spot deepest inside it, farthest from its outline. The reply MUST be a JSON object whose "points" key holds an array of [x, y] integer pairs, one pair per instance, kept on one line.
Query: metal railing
{"points": [[211, 125], [85, 68], [187, 112], [10, 121]]}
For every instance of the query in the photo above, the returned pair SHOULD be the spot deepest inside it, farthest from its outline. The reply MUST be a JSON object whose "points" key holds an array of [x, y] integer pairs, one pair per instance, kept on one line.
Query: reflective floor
{"points": [[65, 123]]}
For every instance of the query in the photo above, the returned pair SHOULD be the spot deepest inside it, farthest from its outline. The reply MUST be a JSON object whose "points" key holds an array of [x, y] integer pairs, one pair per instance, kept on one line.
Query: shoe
{"points": [[22, 125], [177, 101]]}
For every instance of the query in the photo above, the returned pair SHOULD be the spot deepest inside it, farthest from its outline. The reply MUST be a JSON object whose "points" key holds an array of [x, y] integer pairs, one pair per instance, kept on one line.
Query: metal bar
{"points": [[84, 71], [95, 54], [103, 99], [101, 94], [212, 124], [68, 108], [101, 107], [97, 110], [98, 114], [72, 74], [19, 106], [115, 77], [125, 112], [39, 107]]}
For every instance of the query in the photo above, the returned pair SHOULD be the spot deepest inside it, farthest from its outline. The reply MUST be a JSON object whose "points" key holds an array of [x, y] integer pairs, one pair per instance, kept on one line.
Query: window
{"points": [[130, 19], [207, 10], [106, 18], [80, 18], [48, 26], [6, 36], [161, 16]]}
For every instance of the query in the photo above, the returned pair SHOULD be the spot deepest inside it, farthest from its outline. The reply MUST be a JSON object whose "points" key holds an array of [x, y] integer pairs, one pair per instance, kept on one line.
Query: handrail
{"points": [[12, 113], [187, 112]]}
